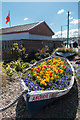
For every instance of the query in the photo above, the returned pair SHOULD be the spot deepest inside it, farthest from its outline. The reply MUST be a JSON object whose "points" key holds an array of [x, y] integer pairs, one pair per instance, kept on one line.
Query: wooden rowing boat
{"points": [[35, 100]]}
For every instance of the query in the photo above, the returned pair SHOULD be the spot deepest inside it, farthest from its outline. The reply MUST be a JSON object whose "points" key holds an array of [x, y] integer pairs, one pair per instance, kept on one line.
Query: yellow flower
{"points": [[51, 72], [52, 78], [38, 77], [34, 75], [44, 76], [42, 72], [43, 83], [61, 71], [55, 76], [43, 69], [41, 79], [48, 69], [35, 68], [47, 80]]}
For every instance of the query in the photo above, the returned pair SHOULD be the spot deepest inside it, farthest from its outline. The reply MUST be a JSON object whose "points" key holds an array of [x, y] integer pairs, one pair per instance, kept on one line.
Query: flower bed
{"points": [[51, 74], [65, 50]]}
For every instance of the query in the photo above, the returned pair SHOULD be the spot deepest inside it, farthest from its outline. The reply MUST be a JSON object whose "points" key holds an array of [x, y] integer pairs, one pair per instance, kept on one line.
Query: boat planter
{"points": [[65, 52], [41, 96], [68, 54]]}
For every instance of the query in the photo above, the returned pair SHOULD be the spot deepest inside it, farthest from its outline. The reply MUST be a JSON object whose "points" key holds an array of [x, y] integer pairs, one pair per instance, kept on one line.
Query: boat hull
{"points": [[35, 100]]}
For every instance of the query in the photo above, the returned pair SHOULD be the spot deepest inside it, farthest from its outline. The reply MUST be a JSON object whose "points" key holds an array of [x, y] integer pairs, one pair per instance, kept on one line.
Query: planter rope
{"points": [[11, 104]]}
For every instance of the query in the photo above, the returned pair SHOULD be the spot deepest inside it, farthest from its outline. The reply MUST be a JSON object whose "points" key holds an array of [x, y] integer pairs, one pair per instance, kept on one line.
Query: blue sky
{"points": [[53, 13]]}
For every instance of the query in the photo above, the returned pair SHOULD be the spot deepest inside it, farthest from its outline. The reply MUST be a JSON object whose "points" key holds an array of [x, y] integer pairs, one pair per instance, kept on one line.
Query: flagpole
{"points": [[10, 20]]}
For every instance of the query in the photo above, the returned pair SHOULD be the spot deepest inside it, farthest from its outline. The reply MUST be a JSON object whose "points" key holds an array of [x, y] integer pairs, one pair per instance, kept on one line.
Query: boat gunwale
{"points": [[48, 91]]}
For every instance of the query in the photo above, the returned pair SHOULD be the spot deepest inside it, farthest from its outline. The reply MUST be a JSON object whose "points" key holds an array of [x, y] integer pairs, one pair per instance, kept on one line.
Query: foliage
{"points": [[47, 55], [33, 61], [64, 50], [42, 53], [79, 53], [37, 56], [3, 75], [31, 56], [10, 71], [26, 65], [15, 66], [18, 51], [53, 73], [63, 45]]}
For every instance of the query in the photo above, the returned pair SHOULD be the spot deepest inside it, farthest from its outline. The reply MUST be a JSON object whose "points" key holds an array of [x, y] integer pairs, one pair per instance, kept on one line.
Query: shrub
{"points": [[47, 55], [15, 66], [37, 55], [18, 52], [43, 50], [42, 53], [19, 66], [10, 71], [33, 61], [26, 65], [39, 58]]}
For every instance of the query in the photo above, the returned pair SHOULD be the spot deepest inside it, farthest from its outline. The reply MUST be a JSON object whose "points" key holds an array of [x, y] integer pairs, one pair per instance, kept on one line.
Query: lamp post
{"points": [[68, 30]]}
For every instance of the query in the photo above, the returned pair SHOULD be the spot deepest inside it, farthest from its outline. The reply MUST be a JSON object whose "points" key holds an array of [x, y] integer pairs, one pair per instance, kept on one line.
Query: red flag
{"points": [[8, 18]]}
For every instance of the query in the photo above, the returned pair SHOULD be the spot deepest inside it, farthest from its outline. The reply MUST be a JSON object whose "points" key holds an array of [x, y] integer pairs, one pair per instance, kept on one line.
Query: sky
{"points": [[53, 13]]}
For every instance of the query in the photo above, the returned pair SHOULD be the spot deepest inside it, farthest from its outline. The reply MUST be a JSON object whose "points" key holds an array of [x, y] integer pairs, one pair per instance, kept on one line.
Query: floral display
{"points": [[51, 74]]}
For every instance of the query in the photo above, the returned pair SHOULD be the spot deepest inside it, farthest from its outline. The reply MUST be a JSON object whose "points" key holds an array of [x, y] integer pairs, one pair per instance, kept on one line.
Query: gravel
{"points": [[66, 107]]}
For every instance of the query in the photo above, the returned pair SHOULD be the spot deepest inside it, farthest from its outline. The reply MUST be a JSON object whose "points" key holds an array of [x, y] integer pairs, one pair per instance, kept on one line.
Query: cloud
{"points": [[74, 21], [51, 24], [72, 33], [26, 18], [60, 11], [70, 18]]}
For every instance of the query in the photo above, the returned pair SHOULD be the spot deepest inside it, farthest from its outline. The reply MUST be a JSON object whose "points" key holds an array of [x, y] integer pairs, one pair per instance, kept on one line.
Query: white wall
{"points": [[25, 35], [39, 37], [16, 36]]}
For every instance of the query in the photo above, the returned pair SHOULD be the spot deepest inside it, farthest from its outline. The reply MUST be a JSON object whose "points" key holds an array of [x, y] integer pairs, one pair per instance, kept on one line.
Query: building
{"points": [[33, 36]]}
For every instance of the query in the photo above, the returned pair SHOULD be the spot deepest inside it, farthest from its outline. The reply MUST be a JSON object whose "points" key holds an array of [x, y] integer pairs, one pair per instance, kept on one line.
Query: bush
{"points": [[15, 66], [18, 52], [10, 71], [26, 65], [33, 61], [39, 58], [42, 53], [37, 55], [19, 66], [47, 55]]}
